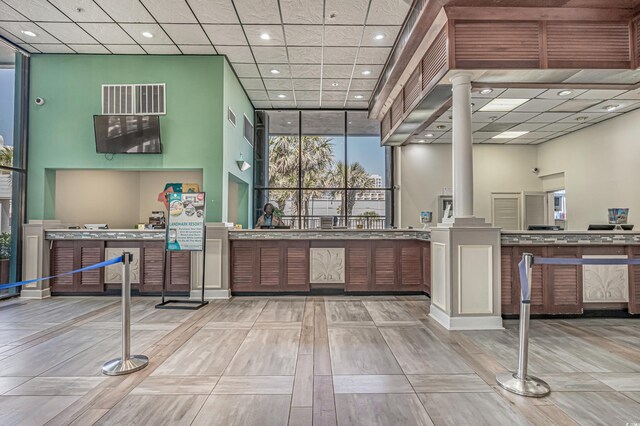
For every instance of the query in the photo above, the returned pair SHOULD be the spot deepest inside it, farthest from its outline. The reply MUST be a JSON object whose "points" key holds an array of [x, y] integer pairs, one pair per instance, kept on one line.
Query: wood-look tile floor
{"points": [[305, 360]]}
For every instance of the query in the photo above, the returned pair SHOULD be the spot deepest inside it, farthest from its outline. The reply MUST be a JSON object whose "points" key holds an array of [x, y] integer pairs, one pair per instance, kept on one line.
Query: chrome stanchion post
{"points": [[519, 382], [127, 363]]}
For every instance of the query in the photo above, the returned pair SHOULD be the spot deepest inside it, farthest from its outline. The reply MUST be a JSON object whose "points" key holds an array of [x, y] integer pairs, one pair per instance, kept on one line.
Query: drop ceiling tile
{"points": [[357, 105], [225, 35], [308, 104], [53, 48], [16, 28], [363, 84], [305, 71], [307, 95], [557, 127], [306, 84], [278, 84], [161, 49], [238, 54], [28, 48], [107, 33], [605, 77], [214, 11], [486, 117], [621, 104], [600, 94], [265, 70], [352, 12], [389, 12], [575, 105], [337, 71], [477, 126], [540, 134], [303, 35], [258, 95], [436, 126], [68, 32], [270, 55], [305, 55], [477, 103], [8, 13], [486, 135], [389, 33], [197, 49], [262, 104], [583, 117], [89, 48], [125, 49], [553, 94], [332, 104], [520, 141], [374, 70], [340, 35], [516, 117], [521, 93], [174, 11], [276, 95], [539, 105], [186, 33], [605, 117], [496, 127], [334, 96], [125, 10], [9, 36], [283, 104], [38, 10], [333, 84], [255, 31], [373, 55], [246, 70], [475, 92], [136, 30], [252, 83], [258, 11], [301, 11], [527, 127], [339, 55], [549, 117], [631, 94]]}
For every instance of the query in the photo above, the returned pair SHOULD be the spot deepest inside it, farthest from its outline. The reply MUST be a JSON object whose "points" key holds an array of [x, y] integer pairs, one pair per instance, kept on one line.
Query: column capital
{"points": [[461, 77]]}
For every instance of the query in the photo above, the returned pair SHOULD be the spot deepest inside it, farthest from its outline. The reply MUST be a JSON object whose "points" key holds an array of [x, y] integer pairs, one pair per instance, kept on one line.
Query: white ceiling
{"points": [[320, 47], [545, 116]]}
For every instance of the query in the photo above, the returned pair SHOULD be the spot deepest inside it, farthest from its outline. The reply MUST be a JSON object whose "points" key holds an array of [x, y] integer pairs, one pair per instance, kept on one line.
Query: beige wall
{"points": [[601, 166], [119, 198], [425, 170]]}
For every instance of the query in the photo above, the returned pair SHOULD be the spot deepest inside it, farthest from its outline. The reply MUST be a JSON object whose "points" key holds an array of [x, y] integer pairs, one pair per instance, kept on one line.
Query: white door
{"points": [[534, 209]]}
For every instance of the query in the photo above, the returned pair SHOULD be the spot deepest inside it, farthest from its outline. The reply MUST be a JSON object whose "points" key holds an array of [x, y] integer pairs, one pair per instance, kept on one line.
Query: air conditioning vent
{"points": [[231, 116], [134, 99], [248, 130]]}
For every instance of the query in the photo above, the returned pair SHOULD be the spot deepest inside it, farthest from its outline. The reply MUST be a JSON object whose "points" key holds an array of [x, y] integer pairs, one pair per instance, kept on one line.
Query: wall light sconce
{"points": [[243, 165]]}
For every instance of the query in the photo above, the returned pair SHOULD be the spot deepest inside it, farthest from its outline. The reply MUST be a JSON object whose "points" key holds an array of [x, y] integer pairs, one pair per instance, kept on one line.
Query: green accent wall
{"points": [[194, 131]]}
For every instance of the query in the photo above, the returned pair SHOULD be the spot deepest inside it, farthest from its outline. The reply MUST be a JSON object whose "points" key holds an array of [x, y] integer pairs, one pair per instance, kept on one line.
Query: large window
{"points": [[13, 69], [322, 164]]}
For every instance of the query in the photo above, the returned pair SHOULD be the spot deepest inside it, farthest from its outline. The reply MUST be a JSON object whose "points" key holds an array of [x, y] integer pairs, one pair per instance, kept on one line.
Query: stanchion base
{"points": [[118, 366], [531, 386]]}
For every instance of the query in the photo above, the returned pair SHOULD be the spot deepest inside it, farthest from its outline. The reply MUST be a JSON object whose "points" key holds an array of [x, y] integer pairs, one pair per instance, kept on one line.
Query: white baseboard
{"points": [[210, 294], [35, 293], [465, 323]]}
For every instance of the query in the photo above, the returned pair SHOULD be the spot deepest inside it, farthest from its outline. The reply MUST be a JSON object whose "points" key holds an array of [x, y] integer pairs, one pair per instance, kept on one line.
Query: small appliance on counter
{"points": [[95, 226], [157, 220]]}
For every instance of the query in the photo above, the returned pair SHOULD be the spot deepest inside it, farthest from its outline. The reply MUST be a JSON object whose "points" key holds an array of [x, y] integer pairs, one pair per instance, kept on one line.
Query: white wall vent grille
{"points": [[231, 116], [248, 130], [132, 99]]}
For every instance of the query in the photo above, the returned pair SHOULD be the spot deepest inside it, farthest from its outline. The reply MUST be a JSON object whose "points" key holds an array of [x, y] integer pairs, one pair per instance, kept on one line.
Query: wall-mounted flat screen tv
{"points": [[127, 134]]}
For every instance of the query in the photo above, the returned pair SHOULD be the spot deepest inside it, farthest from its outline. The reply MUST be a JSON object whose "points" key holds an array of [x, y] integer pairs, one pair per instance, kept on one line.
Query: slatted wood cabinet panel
{"points": [[68, 255], [634, 281]]}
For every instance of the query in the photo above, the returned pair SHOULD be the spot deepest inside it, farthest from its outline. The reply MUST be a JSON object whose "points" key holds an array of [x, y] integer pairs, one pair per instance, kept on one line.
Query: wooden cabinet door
{"points": [[539, 291], [63, 260], [270, 265], [179, 272], [89, 253], [385, 260], [426, 267], [509, 300], [296, 266], [564, 283], [152, 254], [243, 265], [358, 266], [410, 273], [634, 281]]}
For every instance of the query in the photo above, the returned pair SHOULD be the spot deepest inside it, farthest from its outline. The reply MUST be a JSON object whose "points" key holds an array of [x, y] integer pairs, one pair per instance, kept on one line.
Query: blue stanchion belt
{"points": [[87, 268], [524, 282]]}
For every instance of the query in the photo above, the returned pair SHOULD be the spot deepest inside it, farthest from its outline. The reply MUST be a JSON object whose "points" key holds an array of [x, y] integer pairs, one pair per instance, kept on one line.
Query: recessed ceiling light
{"points": [[429, 135], [503, 104], [358, 96], [335, 84], [288, 122], [421, 140], [610, 108], [265, 36], [275, 71], [379, 36], [486, 91], [565, 92], [281, 96], [29, 33], [366, 72], [441, 126], [509, 135], [582, 118], [147, 34]]}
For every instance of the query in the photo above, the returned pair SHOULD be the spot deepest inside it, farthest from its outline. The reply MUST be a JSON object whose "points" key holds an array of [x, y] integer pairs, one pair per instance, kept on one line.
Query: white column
{"points": [[462, 146]]}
